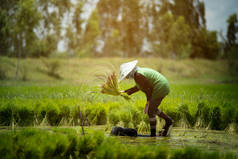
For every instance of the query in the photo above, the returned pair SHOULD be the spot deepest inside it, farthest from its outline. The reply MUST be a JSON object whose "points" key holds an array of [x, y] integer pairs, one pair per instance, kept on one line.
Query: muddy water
{"points": [[180, 138]]}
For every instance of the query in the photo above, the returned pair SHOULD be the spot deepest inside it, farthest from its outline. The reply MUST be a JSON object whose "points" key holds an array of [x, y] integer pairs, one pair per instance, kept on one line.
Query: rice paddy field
{"points": [[40, 118]]}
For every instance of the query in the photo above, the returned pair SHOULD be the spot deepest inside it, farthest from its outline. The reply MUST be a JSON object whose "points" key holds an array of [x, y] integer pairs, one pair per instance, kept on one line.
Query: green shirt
{"points": [[157, 81]]}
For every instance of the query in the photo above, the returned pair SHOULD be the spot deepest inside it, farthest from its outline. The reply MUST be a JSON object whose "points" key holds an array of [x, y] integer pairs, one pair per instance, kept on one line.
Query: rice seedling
{"points": [[111, 87], [114, 117], [216, 118]]}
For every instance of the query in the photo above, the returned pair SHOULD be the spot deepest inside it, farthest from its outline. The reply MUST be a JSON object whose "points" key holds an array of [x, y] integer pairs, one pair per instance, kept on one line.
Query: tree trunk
{"points": [[18, 56]]}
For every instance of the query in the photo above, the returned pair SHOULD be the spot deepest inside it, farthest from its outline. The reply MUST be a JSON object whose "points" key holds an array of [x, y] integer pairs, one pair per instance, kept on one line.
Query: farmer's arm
{"points": [[144, 85], [131, 90]]}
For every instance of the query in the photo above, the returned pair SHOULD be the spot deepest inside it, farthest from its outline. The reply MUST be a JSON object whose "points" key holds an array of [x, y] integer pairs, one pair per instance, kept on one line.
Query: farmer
{"points": [[155, 86]]}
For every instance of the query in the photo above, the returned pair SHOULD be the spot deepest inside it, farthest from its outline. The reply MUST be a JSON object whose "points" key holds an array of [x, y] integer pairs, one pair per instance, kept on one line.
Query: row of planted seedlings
{"points": [[65, 112], [33, 112], [69, 143], [223, 117]]}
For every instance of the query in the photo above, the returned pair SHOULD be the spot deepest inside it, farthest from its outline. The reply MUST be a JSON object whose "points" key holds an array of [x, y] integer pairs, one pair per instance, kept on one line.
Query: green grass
{"points": [[79, 70]]}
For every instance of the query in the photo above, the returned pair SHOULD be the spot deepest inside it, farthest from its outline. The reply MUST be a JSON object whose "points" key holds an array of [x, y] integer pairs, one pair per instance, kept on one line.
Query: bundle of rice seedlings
{"points": [[111, 87]]}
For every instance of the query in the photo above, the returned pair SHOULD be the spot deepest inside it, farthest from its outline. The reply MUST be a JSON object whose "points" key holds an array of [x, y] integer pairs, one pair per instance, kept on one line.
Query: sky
{"points": [[217, 12]]}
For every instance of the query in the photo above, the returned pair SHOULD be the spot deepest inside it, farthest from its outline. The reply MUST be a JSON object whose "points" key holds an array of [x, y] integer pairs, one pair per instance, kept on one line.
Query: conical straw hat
{"points": [[126, 68]]}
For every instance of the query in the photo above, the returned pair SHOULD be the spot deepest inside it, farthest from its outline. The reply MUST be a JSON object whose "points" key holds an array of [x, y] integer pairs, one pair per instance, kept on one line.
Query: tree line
{"points": [[126, 28]]}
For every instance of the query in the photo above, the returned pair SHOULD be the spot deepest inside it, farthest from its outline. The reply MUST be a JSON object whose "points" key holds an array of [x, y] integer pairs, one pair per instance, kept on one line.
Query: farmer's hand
{"points": [[124, 92], [147, 107]]}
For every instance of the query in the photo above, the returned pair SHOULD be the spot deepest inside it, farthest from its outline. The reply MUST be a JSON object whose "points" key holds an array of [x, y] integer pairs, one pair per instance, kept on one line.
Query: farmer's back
{"points": [[157, 81]]}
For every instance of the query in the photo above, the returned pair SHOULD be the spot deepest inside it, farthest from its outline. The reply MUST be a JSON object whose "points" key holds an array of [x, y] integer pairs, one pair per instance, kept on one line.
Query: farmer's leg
{"points": [[152, 119], [161, 114], [168, 121], [152, 116]]}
